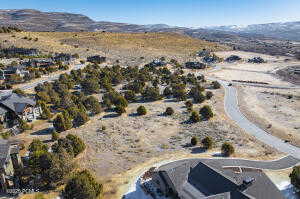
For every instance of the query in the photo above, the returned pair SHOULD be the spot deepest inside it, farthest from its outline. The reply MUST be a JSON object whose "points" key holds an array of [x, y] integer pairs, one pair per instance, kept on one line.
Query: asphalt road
{"points": [[233, 111], [231, 108]]}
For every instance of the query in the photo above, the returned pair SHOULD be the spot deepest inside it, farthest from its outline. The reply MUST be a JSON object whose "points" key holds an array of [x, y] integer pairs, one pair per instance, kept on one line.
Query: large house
{"points": [[10, 161], [64, 58], [12, 70], [39, 62], [14, 108], [195, 65], [96, 59], [208, 179], [13, 51]]}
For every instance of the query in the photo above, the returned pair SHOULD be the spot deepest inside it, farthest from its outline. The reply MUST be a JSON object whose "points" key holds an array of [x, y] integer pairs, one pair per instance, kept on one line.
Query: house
{"points": [[195, 65], [208, 179], [256, 60], [211, 58], [16, 107], [63, 58], [203, 53], [13, 70], [233, 58], [40, 62], [157, 63], [13, 51], [96, 59], [10, 161]]}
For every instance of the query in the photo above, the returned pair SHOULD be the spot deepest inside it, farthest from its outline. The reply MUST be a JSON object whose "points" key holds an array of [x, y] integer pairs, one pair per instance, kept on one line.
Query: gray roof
{"points": [[4, 151], [196, 178], [16, 103], [2, 110]]}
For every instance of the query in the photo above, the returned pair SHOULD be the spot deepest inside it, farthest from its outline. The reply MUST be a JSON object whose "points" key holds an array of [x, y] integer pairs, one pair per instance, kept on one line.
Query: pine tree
{"points": [[59, 123]]}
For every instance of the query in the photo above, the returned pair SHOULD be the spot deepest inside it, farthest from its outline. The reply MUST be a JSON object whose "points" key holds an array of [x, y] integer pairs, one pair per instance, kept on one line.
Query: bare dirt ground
{"points": [[266, 106], [129, 142], [272, 110]]}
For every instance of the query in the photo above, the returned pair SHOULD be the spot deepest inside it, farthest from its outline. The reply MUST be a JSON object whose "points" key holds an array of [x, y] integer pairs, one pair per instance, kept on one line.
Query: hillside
{"points": [[114, 45], [263, 38], [288, 30]]}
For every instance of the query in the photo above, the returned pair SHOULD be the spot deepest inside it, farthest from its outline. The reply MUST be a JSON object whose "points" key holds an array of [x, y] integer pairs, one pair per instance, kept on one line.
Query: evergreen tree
{"points": [[59, 123]]}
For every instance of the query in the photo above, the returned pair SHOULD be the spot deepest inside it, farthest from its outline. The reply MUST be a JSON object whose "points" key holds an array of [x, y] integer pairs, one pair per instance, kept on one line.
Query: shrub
{"points": [[19, 92], [194, 141], [46, 114], [82, 186], [227, 149], [77, 143], [206, 112], [81, 118], [189, 104], [120, 110], [54, 135], [92, 104], [37, 145], [199, 97], [59, 123], [195, 117], [141, 110], [167, 92], [90, 86], [169, 111], [295, 177], [121, 101], [130, 96], [179, 92], [207, 143], [24, 125], [216, 85], [209, 95], [151, 94]]}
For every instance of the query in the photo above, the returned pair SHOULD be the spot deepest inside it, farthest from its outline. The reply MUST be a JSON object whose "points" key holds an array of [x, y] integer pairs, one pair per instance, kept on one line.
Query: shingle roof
{"points": [[4, 151], [16, 102], [212, 181]]}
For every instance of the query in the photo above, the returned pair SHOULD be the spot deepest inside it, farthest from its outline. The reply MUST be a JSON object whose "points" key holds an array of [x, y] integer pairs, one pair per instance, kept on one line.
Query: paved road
{"points": [[50, 78], [34, 84], [233, 111], [283, 163]]}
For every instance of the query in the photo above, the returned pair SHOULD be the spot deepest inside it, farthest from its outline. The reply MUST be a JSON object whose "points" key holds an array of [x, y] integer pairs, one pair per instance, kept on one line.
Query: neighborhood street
{"points": [[233, 111]]}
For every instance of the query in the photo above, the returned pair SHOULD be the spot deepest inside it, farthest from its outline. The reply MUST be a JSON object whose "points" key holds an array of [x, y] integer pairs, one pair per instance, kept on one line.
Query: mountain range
{"points": [[34, 20]]}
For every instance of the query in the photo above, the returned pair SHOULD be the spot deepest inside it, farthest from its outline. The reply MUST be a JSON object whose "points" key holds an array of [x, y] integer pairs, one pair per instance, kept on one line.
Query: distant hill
{"points": [[262, 38], [34, 20], [288, 30]]}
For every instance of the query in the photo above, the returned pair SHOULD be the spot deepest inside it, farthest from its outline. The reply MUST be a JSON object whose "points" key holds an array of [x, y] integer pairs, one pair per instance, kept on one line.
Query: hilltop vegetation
{"points": [[114, 45]]}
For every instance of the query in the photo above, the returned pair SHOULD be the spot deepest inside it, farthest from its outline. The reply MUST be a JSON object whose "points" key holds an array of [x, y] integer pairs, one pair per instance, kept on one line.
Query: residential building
{"points": [[63, 58], [13, 51], [14, 108], [208, 179], [10, 161], [195, 65], [97, 59], [12, 70]]}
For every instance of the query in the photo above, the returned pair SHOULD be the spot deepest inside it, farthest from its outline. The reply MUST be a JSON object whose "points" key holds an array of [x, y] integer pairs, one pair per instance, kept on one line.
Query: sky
{"points": [[187, 13]]}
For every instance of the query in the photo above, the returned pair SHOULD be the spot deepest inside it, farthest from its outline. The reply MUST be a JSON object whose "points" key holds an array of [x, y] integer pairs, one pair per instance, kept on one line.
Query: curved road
{"points": [[231, 108], [233, 111]]}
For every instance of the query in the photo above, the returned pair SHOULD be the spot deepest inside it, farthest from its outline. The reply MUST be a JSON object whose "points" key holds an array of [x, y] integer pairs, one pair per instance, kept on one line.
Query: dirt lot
{"points": [[276, 107], [242, 70], [130, 141], [266, 106]]}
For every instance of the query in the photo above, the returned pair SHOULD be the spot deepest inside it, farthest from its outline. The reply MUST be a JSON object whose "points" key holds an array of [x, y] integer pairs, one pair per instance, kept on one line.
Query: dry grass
{"points": [[116, 45]]}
